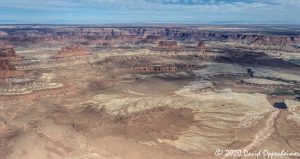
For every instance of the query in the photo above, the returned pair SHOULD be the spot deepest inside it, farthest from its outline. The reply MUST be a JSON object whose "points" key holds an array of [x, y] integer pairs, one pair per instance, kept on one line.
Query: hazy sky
{"points": [[147, 11]]}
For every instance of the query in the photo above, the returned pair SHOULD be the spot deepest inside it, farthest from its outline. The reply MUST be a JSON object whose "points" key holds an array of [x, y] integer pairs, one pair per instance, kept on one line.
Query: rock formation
{"points": [[167, 45], [122, 35], [154, 69], [152, 37], [274, 41], [201, 45], [267, 83], [8, 52], [28, 87], [6, 66], [195, 55], [250, 72], [72, 51], [7, 70]]}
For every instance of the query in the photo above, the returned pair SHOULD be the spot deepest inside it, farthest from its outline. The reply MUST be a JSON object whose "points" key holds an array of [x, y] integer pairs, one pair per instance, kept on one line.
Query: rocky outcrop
{"points": [[266, 83], [154, 69], [8, 52], [163, 68], [167, 45], [241, 37], [152, 37], [194, 55], [122, 35], [22, 86], [21, 89], [5, 65], [201, 45], [275, 41], [72, 51], [7, 70]]}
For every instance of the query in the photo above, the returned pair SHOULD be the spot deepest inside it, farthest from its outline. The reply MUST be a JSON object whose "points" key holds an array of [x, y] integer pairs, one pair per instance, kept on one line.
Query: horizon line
{"points": [[157, 23]]}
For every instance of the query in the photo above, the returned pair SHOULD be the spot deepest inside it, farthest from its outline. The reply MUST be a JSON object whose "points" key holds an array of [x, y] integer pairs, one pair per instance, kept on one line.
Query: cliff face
{"points": [[7, 52], [5, 65], [154, 69], [121, 35], [167, 44], [201, 45], [72, 51], [251, 38], [275, 41], [7, 70], [152, 37]]}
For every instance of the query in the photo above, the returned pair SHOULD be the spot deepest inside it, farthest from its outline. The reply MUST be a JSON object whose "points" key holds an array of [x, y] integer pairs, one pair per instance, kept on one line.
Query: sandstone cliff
{"points": [[8, 52], [167, 44], [72, 51], [7, 70]]}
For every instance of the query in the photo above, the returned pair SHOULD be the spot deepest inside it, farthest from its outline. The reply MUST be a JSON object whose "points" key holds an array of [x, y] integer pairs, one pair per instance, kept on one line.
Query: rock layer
{"points": [[72, 51], [8, 52], [7, 70], [154, 69], [201, 45], [167, 44]]}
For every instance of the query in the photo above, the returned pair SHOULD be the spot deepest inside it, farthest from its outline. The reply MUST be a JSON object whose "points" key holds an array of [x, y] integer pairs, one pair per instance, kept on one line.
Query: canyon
{"points": [[148, 91]]}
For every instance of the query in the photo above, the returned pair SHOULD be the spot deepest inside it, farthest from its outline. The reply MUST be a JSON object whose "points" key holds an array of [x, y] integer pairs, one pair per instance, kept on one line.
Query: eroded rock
{"points": [[167, 45], [72, 51], [8, 52], [201, 45], [7, 70]]}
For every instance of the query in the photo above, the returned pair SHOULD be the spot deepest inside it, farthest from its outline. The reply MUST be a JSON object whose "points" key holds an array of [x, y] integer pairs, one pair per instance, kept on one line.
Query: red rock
{"points": [[5, 65], [167, 44], [8, 52], [7, 70], [72, 51]]}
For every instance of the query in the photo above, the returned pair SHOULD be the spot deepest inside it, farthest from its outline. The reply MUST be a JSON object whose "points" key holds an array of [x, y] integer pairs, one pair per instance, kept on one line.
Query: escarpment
{"points": [[72, 51], [8, 52], [167, 45], [7, 70]]}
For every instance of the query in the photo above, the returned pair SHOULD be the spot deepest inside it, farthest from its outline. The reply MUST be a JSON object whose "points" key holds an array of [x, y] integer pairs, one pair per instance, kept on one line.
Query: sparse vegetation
{"points": [[282, 91], [117, 91]]}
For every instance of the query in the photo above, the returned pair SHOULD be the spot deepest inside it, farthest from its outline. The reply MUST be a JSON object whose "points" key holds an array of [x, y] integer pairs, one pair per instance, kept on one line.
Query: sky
{"points": [[149, 11]]}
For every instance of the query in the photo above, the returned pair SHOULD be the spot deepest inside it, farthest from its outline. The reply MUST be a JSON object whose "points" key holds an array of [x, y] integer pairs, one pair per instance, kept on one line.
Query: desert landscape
{"points": [[148, 91]]}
